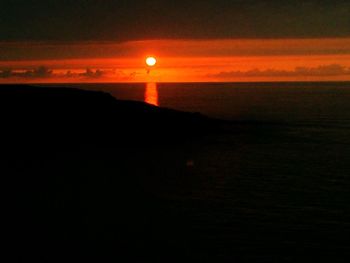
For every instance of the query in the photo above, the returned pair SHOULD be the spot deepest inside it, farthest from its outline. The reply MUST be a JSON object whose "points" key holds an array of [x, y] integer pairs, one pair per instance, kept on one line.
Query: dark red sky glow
{"points": [[107, 41]]}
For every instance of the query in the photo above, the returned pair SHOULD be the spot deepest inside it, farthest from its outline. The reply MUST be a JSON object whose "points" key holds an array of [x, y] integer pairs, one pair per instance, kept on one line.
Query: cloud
{"points": [[6, 73], [320, 71], [92, 74], [51, 50], [44, 72], [323, 70], [40, 72]]}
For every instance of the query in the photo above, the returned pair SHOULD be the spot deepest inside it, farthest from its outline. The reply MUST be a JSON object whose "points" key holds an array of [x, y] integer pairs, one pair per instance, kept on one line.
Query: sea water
{"points": [[276, 186], [323, 102]]}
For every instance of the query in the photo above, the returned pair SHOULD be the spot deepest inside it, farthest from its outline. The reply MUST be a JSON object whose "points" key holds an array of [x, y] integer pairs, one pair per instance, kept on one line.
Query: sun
{"points": [[151, 61]]}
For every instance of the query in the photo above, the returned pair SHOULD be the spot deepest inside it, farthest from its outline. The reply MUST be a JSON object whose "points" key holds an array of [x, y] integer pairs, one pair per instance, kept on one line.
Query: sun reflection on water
{"points": [[151, 94]]}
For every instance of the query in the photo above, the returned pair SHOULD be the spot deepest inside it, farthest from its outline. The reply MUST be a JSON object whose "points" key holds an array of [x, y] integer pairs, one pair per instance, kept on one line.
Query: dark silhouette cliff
{"points": [[52, 118], [83, 174]]}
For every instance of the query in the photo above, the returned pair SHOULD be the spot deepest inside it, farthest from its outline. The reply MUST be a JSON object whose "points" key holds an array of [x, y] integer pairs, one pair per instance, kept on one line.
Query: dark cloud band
{"points": [[320, 71], [155, 19]]}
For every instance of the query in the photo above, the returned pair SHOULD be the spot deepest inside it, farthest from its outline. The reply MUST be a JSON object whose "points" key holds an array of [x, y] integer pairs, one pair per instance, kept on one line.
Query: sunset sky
{"points": [[108, 41]]}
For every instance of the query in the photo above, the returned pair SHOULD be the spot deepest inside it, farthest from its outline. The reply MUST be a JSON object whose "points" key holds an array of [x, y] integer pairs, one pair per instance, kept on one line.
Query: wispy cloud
{"points": [[40, 72], [92, 74], [44, 72], [19, 51], [320, 71]]}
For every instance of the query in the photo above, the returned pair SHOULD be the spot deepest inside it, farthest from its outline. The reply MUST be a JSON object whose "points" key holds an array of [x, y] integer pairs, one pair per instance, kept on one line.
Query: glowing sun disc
{"points": [[151, 61]]}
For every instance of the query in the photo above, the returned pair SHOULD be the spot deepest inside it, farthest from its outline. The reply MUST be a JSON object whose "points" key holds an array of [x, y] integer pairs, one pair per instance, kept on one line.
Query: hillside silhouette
{"points": [[82, 172], [64, 117]]}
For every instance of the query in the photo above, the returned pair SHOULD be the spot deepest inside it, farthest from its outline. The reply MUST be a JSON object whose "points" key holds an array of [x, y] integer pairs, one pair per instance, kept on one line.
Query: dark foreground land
{"points": [[88, 178]]}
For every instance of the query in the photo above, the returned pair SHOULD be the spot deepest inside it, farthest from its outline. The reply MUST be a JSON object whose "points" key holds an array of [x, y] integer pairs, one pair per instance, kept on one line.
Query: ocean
{"points": [[321, 102], [274, 188]]}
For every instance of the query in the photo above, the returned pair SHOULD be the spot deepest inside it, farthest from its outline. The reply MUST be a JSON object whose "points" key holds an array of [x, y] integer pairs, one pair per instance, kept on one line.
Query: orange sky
{"points": [[178, 60]]}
